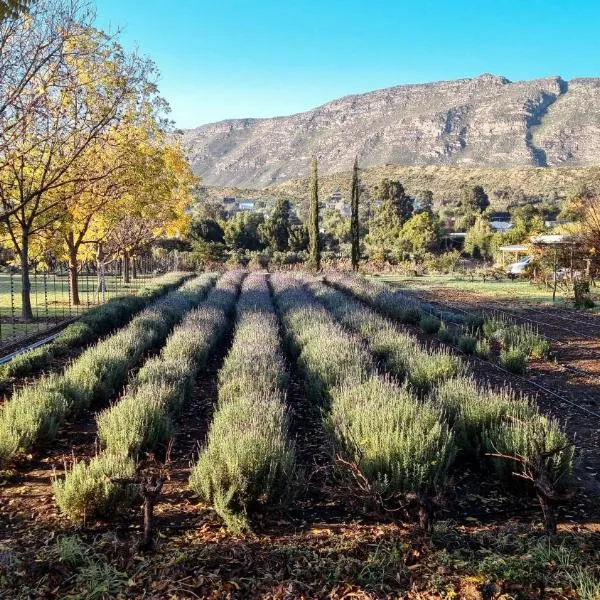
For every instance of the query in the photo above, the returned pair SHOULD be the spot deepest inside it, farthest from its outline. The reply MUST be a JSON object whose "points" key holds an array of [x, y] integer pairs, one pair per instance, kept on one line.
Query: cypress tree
{"points": [[354, 224], [314, 249]]}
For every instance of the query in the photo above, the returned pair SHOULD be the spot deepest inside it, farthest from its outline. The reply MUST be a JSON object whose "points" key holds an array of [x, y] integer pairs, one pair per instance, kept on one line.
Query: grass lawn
{"points": [[50, 301], [515, 290]]}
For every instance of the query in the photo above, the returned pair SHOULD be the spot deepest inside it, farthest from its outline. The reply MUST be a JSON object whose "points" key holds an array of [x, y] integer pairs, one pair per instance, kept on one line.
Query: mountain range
{"points": [[486, 121]]}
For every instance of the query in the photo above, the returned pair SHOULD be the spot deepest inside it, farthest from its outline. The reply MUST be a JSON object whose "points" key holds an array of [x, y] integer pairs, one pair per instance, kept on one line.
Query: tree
{"points": [[206, 230], [335, 229], [13, 8], [393, 192], [242, 232], [474, 199], [384, 230], [76, 97], [156, 202], [210, 209], [478, 241], [421, 232], [276, 230], [33, 48], [425, 200], [314, 247], [298, 238], [354, 218]]}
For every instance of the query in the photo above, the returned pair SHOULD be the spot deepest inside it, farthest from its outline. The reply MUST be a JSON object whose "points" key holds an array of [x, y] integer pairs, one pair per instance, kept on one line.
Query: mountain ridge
{"points": [[486, 121]]}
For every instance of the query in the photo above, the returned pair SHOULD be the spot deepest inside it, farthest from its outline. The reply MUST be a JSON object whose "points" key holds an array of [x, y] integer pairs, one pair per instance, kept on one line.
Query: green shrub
{"points": [[389, 301], [428, 369], [530, 439], [74, 335], [26, 362], [471, 410], [326, 355], [99, 488], [91, 325], [399, 444], [33, 415], [446, 335], [138, 421], [511, 335], [248, 460], [540, 348], [430, 324], [491, 324], [95, 376], [483, 348], [142, 419], [411, 316], [467, 344], [474, 322], [401, 352], [514, 360]]}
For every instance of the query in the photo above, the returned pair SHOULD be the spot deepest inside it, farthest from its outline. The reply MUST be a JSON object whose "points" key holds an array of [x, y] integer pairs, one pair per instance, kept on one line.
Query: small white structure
{"points": [[245, 205], [514, 249], [555, 239], [500, 226]]}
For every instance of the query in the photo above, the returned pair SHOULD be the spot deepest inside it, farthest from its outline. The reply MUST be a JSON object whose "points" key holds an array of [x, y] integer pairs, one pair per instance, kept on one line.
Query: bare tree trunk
{"points": [[126, 264], [150, 491], [26, 311], [73, 271], [101, 287], [133, 267], [549, 513]]}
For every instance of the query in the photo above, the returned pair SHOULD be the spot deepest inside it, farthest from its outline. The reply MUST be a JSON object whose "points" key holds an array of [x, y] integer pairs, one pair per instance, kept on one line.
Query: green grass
{"points": [[514, 290], [96, 322], [50, 301]]}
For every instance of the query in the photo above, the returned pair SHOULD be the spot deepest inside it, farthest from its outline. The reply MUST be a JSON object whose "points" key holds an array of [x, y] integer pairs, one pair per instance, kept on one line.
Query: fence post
{"points": [[46, 299], [12, 305]]}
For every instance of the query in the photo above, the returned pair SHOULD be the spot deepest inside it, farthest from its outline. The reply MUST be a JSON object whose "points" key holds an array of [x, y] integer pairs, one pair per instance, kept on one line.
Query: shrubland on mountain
{"points": [[487, 121]]}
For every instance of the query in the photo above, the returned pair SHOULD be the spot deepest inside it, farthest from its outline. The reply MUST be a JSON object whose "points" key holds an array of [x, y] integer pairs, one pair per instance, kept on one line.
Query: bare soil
{"points": [[486, 542]]}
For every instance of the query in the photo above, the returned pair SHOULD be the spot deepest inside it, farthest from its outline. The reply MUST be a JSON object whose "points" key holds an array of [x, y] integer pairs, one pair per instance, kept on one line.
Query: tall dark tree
{"points": [[314, 247], [474, 199], [206, 230], [402, 201], [276, 231], [393, 191], [242, 231], [384, 190], [354, 219], [298, 238]]}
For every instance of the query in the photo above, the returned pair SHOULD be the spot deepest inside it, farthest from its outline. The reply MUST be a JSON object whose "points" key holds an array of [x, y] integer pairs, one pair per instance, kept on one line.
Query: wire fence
{"points": [[52, 299]]}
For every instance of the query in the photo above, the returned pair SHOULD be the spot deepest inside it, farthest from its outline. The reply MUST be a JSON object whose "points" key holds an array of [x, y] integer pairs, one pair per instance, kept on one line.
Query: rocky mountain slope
{"points": [[487, 121]]}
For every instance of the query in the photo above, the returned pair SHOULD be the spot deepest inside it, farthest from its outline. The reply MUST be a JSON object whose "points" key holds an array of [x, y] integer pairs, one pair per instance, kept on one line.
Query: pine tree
{"points": [[276, 231], [314, 250], [393, 191], [354, 223], [402, 202], [474, 199]]}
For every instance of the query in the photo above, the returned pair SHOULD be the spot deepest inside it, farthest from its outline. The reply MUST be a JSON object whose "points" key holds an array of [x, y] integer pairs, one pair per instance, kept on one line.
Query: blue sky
{"points": [[224, 59]]}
